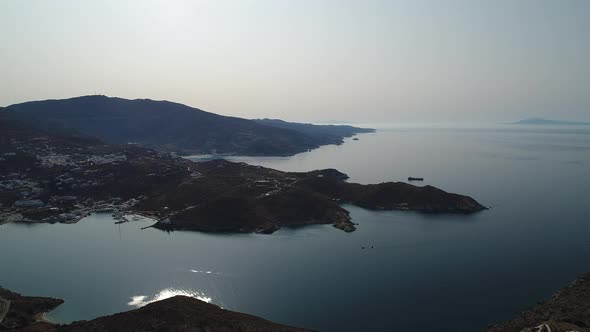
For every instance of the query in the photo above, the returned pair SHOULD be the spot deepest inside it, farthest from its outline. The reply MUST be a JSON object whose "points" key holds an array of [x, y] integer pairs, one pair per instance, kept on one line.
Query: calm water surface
{"points": [[423, 272]]}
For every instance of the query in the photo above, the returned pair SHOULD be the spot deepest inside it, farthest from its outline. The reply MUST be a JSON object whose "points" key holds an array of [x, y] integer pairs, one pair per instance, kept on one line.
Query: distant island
{"points": [[541, 121], [48, 177], [173, 127]]}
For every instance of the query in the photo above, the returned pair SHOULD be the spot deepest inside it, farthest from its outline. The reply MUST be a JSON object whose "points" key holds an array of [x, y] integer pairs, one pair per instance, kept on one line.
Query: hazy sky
{"points": [[313, 60]]}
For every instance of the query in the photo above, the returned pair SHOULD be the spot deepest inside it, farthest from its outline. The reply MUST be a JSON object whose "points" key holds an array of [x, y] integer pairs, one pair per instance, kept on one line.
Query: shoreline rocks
{"points": [[566, 310], [25, 311]]}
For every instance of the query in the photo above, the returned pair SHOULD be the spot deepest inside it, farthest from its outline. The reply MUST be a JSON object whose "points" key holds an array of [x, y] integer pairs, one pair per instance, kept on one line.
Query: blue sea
{"points": [[417, 272]]}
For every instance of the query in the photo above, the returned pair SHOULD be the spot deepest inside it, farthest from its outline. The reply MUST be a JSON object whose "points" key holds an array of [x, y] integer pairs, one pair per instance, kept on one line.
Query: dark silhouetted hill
{"points": [[179, 313], [332, 134], [167, 126]]}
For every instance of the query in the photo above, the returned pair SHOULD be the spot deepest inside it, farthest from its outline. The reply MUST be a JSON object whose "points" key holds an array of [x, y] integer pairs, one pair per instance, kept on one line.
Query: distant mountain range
{"points": [[541, 121], [174, 127]]}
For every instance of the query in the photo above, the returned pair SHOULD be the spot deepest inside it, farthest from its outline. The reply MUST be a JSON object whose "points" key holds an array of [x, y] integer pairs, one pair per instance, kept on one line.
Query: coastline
{"points": [[566, 310], [68, 178], [42, 318]]}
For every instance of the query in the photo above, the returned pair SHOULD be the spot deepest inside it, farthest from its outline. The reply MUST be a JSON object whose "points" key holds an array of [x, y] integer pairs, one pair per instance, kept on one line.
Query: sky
{"points": [[307, 60]]}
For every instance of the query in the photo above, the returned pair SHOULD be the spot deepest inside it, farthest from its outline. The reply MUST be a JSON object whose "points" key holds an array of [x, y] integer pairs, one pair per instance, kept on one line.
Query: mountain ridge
{"points": [[334, 134], [166, 126]]}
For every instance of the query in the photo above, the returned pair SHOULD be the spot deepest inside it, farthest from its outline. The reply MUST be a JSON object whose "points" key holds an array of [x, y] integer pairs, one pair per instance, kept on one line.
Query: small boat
{"points": [[415, 179]]}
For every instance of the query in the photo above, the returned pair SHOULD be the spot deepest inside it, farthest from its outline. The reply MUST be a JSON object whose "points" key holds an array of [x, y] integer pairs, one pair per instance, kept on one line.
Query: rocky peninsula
{"points": [[20, 313], [62, 178]]}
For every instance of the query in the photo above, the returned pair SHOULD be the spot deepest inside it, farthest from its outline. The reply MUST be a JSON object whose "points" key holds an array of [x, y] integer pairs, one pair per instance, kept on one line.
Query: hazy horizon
{"points": [[347, 61]]}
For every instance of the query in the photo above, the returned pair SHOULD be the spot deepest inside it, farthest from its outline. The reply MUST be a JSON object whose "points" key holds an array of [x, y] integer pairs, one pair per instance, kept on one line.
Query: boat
{"points": [[415, 179]]}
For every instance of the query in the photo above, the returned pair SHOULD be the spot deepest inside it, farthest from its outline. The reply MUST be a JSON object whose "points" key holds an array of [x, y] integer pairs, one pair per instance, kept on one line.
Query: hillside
{"points": [[18, 312], [168, 126], [568, 310], [332, 134], [179, 313]]}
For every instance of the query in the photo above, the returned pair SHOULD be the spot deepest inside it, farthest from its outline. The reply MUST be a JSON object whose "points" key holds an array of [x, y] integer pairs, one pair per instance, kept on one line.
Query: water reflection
{"points": [[205, 272], [139, 301]]}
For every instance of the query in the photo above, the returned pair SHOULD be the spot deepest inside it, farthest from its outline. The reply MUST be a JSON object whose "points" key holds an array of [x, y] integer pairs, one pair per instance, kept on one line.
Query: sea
{"points": [[399, 271]]}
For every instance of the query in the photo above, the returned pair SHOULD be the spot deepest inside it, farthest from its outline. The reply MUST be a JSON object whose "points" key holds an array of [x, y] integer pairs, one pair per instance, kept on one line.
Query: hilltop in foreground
{"points": [[173, 127], [567, 311], [49, 178], [179, 313]]}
